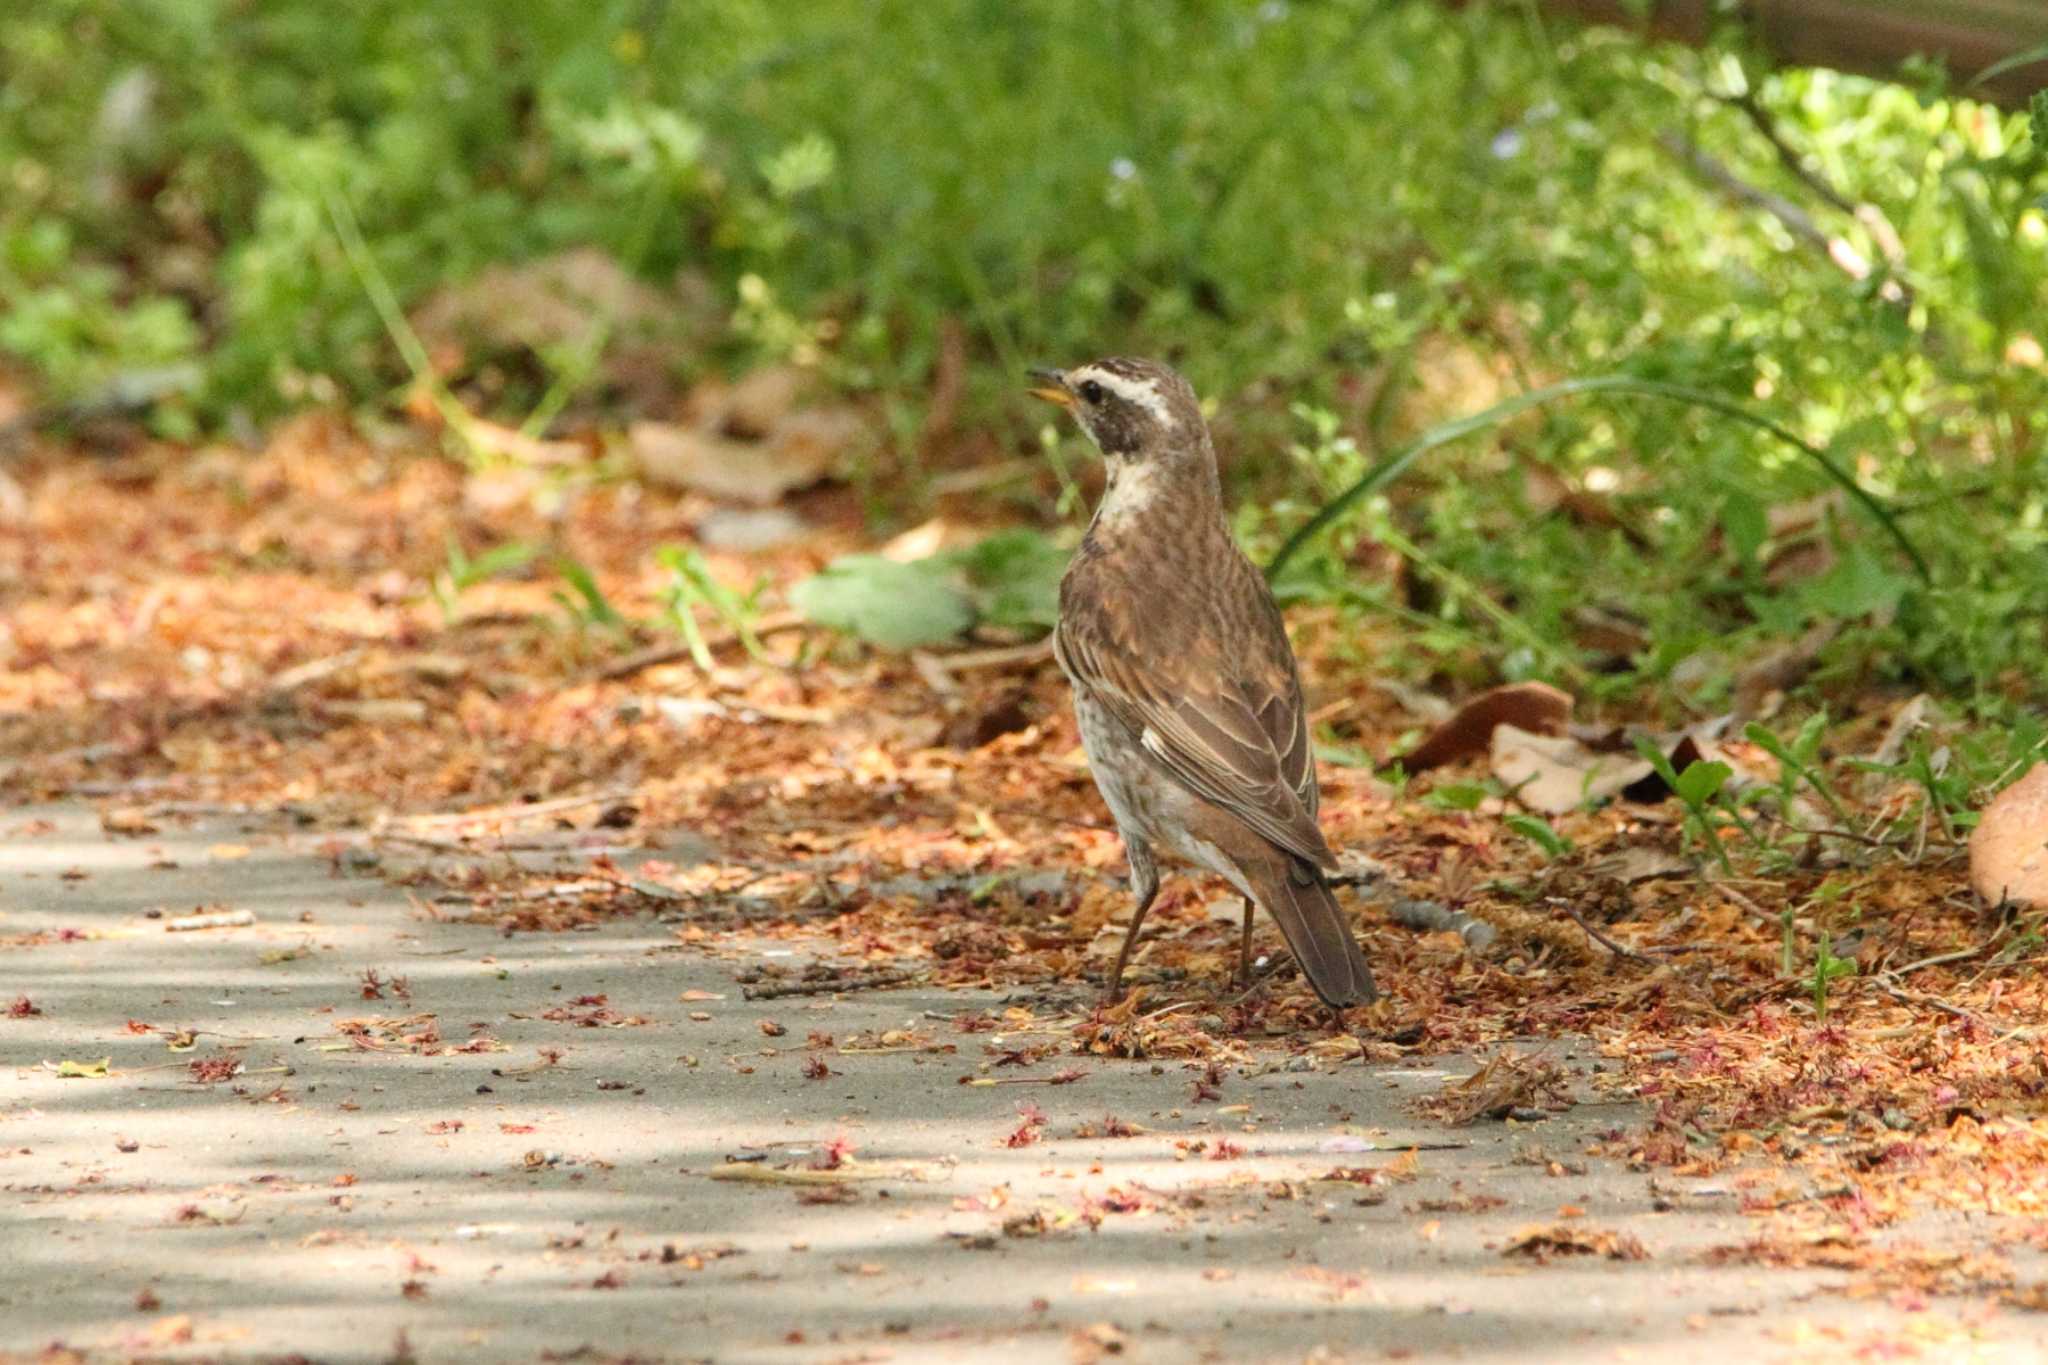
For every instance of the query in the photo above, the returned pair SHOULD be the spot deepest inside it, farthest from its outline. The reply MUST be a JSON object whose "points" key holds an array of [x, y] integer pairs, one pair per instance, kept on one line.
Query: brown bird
{"points": [[1186, 690]]}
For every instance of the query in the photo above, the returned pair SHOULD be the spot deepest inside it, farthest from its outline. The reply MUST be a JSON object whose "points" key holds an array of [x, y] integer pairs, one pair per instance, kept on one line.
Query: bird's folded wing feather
{"points": [[1227, 722]]}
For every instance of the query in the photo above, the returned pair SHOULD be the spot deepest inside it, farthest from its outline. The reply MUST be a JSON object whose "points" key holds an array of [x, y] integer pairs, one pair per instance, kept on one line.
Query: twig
{"points": [[1796, 220], [1959, 955], [658, 655], [224, 919], [939, 670], [1001, 657], [1873, 219], [1850, 835], [291, 679], [1932, 1002], [1618, 949], [1742, 902], [872, 981], [389, 826]]}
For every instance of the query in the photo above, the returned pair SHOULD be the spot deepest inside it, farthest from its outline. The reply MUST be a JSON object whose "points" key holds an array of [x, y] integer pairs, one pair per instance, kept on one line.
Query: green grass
{"points": [[1324, 212]]}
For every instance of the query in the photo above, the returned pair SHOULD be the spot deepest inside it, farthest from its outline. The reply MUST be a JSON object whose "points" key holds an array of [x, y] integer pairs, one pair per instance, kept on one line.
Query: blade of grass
{"points": [[377, 288], [2013, 63], [1396, 464]]}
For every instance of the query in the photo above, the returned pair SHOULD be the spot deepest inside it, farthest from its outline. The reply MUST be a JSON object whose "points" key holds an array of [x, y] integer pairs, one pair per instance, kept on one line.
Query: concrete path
{"points": [[498, 1149]]}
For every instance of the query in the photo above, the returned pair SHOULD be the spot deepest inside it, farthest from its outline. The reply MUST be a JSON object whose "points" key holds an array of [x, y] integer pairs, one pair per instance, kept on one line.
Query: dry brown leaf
{"points": [[2009, 847], [1506, 1083], [752, 407], [1556, 773], [1089, 1344], [801, 450], [1540, 1243], [1640, 863], [129, 820], [1780, 668], [1905, 721], [550, 301], [1534, 707]]}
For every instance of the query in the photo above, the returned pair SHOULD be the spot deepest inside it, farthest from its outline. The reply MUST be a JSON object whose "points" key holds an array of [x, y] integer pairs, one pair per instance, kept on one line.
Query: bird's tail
{"points": [[1294, 893]]}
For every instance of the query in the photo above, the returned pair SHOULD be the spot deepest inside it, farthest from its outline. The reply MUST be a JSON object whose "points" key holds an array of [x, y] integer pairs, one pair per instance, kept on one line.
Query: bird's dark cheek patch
{"points": [[1116, 433]]}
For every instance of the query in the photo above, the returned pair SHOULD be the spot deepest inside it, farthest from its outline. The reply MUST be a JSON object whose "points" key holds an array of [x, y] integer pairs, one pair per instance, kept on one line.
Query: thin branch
{"points": [[1839, 251], [1618, 949], [871, 981], [1870, 215]]}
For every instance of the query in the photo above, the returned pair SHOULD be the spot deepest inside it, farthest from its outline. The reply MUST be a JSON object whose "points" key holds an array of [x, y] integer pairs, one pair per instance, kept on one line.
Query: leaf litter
{"points": [[263, 634]]}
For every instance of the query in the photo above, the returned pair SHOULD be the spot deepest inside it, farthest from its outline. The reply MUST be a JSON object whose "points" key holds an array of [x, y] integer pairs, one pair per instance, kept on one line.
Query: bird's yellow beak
{"points": [[1051, 385]]}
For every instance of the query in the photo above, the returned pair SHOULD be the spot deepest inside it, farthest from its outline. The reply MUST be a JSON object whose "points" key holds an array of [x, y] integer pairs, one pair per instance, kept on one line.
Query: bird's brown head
{"points": [[1136, 411]]}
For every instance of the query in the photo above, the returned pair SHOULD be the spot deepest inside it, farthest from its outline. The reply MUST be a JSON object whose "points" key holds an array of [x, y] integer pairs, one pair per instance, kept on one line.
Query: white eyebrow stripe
{"points": [[1139, 391]]}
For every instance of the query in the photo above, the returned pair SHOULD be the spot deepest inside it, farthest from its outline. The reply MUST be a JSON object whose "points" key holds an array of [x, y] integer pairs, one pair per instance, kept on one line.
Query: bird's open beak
{"points": [[1051, 385]]}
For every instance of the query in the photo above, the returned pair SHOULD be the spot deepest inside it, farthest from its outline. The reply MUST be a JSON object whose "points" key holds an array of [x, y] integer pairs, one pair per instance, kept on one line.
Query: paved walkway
{"points": [[497, 1149]]}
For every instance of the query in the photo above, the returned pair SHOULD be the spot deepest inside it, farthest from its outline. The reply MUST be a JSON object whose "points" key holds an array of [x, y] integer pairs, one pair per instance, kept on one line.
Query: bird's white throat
{"points": [[1134, 485]]}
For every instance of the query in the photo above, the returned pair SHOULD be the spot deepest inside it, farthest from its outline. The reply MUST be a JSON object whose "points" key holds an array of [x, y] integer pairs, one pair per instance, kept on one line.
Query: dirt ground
{"points": [[359, 1128]]}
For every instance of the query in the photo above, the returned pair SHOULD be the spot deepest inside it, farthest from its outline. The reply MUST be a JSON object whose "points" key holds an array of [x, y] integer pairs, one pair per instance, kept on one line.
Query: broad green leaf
{"points": [[1746, 524], [1700, 781], [1858, 586], [896, 606], [1457, 796], [1014, 577], [67, 1067]]}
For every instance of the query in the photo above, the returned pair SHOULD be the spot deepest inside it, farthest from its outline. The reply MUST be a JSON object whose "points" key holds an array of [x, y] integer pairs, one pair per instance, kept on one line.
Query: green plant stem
{"points": [[1396, 464], [1511, 625]]}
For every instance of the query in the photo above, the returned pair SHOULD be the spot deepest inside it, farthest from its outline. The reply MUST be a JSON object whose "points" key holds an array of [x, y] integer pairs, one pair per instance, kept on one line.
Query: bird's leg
{"points": [[1144, 886], [1244, 948]]}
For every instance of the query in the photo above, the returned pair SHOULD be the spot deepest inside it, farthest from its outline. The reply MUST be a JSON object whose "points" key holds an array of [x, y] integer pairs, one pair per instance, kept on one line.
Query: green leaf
{"points": [[1659, 761], [2037, 118], [1768, 741], [1539, 833], [592, 607], [1457, 796], [896, 606], [97, 1069], [1700, 781], [1859, 586], [1746, 525], [2025, 57], [1014, 578], [513, 554]]}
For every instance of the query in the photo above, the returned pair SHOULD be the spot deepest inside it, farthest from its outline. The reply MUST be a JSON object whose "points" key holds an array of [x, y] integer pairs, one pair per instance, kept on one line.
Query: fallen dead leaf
{"points": [[130, 820], [1556, 773], [1640, 863], [83, 1070], [2009, 847], [1092, 1343], [801, 449], [1506, 1083], [1541, 1243], [1780, 668], [1532, 707]]}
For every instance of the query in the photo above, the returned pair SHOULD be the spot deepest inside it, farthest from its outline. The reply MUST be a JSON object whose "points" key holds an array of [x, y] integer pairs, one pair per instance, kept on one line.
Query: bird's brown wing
{"points": [[1209, 687]]}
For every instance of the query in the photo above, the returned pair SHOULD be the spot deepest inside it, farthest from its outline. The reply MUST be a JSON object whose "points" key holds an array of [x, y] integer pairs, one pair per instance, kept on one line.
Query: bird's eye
{"points": [[1091, 391]]}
